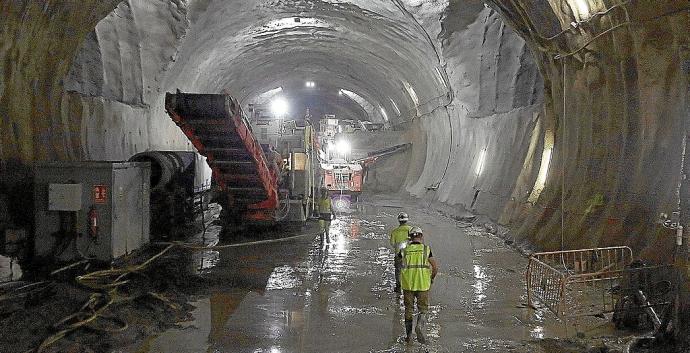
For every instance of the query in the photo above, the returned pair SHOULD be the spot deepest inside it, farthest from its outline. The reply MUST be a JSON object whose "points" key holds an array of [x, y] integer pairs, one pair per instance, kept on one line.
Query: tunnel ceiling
{"points": [[370, 47]]}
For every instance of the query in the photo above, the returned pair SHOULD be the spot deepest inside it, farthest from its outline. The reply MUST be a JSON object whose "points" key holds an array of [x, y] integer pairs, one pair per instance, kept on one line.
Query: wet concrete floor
{"points": [[300, 296]]}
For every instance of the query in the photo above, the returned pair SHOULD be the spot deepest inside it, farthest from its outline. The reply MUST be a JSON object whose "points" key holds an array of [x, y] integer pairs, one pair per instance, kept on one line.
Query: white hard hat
{"points": [[402, 217], [414, 231]]}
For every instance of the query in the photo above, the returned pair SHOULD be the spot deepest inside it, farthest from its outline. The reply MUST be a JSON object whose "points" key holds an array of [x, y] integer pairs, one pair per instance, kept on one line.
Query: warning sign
{"points": [[100, 194]]}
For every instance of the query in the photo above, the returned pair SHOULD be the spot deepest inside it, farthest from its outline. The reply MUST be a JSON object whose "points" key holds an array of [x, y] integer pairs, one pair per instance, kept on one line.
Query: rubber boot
{"points": [[408, 331], [420, 328]]}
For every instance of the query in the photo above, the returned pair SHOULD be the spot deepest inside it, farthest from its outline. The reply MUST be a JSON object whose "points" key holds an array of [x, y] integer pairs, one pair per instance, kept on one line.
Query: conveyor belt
{"points": [[215, 125]]}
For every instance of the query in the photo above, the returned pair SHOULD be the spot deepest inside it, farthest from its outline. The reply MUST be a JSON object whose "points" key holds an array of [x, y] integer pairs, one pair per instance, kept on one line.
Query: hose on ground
{"points": [[108, 281], [236, 245]]}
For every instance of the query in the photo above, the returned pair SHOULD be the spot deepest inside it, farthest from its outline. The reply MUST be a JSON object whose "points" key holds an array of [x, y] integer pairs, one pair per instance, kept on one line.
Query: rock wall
{"points": [[77, 88], [610, 157], [498, 102], [617, 103], [38, 40]]}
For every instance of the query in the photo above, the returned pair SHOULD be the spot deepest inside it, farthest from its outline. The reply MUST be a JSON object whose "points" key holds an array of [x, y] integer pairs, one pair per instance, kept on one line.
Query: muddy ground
{"points": [[301, 295]]}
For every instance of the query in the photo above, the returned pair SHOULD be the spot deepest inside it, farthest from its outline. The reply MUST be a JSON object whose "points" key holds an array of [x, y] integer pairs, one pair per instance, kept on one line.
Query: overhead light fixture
{"points": [[343, 147], [412, 93], [395, 106], [279, 106], [310, 84], [340, 92]]}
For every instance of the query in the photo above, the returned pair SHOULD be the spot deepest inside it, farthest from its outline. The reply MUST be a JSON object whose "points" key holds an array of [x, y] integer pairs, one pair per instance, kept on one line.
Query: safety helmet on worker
{"points": [[403, 217], [415, 232]]}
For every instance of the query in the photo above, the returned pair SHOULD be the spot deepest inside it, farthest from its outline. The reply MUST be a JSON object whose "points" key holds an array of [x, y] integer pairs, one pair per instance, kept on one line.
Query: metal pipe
{"points": [[648, 309], [292, 169]]}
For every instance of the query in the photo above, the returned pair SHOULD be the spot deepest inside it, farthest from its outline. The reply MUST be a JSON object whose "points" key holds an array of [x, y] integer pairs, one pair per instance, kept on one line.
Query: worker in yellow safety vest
{"points": [[419, 268], [398, 241], [325, 215]]}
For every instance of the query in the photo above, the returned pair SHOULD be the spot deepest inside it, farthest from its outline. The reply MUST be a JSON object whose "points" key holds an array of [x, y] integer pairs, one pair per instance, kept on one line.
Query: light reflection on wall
{"points": [[544, 168], [480, 162], [580, 9]]}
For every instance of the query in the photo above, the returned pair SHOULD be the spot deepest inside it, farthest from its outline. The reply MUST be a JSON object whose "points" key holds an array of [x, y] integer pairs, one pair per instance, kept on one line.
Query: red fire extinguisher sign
{"points": [[100, 194]]}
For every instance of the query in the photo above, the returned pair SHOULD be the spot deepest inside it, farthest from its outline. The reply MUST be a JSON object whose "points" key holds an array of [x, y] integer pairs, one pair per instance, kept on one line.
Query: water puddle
{"points": [[339, 296], [188, 337]]}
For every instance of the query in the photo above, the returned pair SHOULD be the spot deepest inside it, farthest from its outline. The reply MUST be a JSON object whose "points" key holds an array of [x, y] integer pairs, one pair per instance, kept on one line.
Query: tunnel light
{"points": [[439, 75], [395, 106], [343, 147], [292, 22], [279, 106], [412, 93], [480, 164], [340, 92], [310, 84], [383, 114]]}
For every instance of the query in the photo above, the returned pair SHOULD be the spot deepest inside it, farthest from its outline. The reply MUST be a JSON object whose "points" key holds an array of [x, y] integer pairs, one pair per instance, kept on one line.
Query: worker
{"points": [[325, 215], [398, 241], [419, 268]]}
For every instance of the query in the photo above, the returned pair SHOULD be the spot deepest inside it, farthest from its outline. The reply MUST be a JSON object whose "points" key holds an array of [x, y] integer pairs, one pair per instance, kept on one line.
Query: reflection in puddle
{"points": [[336, 253], [338, 296], [480, 286], [283, 277], [206, 260], [537, 332], [350, 311]]}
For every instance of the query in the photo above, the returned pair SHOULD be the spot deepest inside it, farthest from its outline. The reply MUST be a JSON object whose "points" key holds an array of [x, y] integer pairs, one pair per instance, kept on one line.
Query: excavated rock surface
{"points": [[464, 79]]}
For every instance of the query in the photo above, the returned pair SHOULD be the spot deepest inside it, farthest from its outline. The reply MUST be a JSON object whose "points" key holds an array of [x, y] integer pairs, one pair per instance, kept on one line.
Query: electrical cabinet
{"points": [[91, 209]]}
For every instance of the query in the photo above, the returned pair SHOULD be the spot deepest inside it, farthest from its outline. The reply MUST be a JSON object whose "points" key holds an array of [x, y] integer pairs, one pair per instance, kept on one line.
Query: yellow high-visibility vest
{"points": [[325, 205], [415, 274], [399, 237]]}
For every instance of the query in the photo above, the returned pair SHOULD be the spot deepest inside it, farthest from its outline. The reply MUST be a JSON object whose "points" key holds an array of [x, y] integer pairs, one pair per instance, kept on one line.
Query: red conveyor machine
{"points": [[216, 126]]}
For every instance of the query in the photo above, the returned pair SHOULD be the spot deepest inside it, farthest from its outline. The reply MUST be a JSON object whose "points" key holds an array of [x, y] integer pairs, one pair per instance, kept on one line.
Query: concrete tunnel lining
{"points": [[228, 48], [505, 90], [562, 120]]}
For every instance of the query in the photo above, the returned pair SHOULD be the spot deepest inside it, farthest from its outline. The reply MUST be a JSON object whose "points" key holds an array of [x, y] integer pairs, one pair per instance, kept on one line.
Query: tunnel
{"points": [[548, 126]]}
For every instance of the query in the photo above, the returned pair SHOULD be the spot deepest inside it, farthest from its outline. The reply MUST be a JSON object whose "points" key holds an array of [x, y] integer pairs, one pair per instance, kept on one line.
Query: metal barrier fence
{"points": [[577, 282]]}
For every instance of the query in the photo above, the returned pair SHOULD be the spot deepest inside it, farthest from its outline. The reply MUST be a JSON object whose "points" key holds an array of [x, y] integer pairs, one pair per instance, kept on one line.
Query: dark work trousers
{"points": [[398, 265]]}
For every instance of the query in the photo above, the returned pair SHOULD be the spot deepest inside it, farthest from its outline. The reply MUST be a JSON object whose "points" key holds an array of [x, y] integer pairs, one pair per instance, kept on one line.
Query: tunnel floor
{"points": [[300, 296]]}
